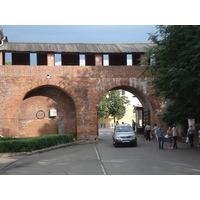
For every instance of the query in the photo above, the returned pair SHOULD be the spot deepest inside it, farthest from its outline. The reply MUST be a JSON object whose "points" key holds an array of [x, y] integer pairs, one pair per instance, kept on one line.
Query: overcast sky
{"points": [[78, 33]]}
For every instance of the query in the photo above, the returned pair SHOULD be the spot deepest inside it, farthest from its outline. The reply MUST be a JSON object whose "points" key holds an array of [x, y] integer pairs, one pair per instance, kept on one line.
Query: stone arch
{"points": [[139, 94], [63, 87], [149, 103], [34, 112], [147, 107]]}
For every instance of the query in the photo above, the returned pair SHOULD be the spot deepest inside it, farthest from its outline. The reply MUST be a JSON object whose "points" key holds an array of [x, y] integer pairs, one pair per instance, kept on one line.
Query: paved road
{"points": [[78, 159], [147, 159], [99, 158]]}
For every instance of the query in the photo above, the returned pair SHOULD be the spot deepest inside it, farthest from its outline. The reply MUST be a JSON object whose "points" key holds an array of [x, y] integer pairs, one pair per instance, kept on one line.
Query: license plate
{"points": [[125, 141]]}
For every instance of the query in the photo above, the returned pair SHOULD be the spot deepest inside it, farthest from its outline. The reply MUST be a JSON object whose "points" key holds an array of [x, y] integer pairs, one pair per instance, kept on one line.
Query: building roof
{"points": [[76, 47]]}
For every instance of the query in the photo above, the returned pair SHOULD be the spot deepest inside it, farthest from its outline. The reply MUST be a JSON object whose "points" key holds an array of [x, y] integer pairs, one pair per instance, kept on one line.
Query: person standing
{"points": [[190, 134], [198, 137], [161, 138], [154, 132], [133, 125], [148, 130], [174, 135], [143, 128], [169, 133]]}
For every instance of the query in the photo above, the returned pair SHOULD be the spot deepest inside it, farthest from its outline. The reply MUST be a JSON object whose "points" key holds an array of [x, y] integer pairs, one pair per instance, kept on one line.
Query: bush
{"points": [[8, 145]]}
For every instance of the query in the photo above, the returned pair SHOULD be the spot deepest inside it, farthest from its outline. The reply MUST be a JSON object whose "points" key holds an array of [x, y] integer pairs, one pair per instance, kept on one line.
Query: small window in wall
{"points": [[136, 59], [82, 60], [102, 125], [70, 59], [129, 59], [33, 59], [105, 60], [58, 61], [90, 60], [21, 58], [112, 125], [41, 59], [7, 59], [150, 61], [117, 59]]}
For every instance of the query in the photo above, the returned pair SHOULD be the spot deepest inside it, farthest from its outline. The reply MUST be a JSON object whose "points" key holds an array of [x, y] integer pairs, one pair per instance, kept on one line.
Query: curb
{"points": [[40, 150]]}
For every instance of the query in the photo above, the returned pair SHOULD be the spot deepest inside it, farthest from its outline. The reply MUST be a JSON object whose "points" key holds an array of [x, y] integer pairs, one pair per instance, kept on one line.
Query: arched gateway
{"points": [[48, 99]]}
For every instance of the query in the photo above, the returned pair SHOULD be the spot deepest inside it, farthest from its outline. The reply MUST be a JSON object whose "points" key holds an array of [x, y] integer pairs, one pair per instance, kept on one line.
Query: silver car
{"points": [[124, 134]]}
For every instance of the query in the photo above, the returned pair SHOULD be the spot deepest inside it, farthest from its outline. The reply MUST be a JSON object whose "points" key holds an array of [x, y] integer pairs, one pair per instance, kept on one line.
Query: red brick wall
{"points": [[34, 113], [74, 91], [1, 58]]}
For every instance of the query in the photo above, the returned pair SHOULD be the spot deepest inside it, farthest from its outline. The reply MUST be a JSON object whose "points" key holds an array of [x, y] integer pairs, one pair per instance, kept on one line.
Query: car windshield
{"points": [[124, 129]]}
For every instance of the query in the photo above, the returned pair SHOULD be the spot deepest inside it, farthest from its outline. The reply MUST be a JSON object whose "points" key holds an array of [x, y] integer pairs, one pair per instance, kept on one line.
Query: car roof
{"points": [[123, 125]]}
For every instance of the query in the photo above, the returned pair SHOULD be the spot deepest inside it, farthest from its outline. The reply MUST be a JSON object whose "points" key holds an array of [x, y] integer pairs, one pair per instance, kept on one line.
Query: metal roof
{"points": [[76, 47]]}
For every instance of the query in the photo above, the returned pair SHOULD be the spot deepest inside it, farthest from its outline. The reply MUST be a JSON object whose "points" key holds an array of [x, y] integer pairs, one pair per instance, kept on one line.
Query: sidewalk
{"points": [[5, 161], [9, 158]]}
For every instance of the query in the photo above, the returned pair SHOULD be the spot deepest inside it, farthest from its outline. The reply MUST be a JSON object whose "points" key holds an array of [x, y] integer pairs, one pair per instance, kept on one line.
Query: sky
{"points": [[90, 21], [78, 33]]}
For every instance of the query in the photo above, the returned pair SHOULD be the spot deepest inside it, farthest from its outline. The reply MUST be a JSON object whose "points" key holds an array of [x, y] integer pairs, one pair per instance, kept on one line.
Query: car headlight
{"points": [[118, 137]]}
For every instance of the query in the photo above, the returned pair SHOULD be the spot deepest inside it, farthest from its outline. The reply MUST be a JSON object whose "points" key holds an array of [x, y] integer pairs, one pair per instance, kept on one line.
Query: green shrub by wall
{"points": [[11, 145]]}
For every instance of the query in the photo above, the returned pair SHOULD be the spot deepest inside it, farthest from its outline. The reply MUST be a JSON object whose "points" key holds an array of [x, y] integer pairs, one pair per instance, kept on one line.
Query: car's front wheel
{"points": [[114, 144], [134, 144]]}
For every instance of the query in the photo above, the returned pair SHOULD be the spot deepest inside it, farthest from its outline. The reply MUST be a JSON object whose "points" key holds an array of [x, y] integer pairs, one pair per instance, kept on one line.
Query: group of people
{"points": [[172, 134], [158, 134]]}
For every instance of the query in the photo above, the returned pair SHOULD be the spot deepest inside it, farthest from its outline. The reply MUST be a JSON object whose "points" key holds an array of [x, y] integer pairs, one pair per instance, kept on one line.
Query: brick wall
{"points": [[74, 91], [34, 112], [1, 58]]}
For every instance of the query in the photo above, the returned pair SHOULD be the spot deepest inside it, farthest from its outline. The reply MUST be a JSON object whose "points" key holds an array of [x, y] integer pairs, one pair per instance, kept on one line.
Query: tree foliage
{"points": [[8, 63], [112, 104], [175, 69]]}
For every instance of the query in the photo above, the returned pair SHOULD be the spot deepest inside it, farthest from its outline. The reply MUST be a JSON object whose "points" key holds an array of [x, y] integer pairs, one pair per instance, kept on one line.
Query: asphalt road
{"points": [[102, 158], [147, 159]]}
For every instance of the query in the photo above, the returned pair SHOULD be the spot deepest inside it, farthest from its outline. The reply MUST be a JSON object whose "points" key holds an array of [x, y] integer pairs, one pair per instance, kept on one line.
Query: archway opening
{"points": [[47, 110], [139, 109]]}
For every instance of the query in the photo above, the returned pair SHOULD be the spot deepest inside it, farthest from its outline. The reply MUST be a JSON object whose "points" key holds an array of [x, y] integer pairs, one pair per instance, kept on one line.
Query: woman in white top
{"points": [[154, 132]]}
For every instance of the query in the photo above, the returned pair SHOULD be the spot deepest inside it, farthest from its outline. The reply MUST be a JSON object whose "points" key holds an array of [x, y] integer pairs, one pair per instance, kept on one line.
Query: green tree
{"points": [[112, 104], [102, 110], [175, 69], [8, 63]]}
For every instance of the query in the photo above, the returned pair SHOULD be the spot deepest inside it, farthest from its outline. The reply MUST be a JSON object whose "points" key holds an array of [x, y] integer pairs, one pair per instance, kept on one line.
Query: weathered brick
{"points": [[74, 91]]}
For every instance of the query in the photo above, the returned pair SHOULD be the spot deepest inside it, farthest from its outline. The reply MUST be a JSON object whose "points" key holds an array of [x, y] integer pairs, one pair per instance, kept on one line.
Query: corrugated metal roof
{"points": [[76, 47]]}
